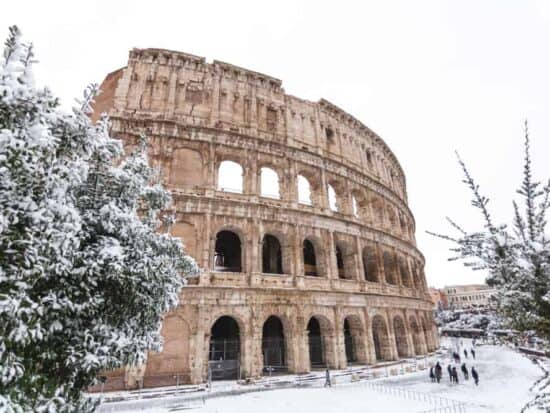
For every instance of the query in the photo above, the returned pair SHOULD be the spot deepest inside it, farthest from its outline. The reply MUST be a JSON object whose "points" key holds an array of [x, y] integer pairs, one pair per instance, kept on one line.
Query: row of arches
{"points": [[323, 340], [388, 266], [308, 192]]}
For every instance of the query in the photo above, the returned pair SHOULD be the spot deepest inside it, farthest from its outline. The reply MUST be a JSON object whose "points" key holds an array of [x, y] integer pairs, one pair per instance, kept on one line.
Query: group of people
{"points": [[436, 371]]}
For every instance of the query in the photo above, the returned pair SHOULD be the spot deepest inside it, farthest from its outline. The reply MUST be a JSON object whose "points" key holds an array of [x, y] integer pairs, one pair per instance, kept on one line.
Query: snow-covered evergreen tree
{"points": [[86, 273], [517, 259]]}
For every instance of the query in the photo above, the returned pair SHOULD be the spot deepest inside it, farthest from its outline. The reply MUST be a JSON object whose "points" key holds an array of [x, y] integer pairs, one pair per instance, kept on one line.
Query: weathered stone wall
{"points": [[200, 114]]}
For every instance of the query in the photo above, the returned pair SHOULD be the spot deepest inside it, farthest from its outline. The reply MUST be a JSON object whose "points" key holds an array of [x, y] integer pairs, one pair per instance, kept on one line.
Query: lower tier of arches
{"points": [[229, 336]]}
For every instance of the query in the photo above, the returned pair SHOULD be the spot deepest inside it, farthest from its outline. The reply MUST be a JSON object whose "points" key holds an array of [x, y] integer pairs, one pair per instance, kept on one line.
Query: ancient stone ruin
{"points": [[296, 212]]}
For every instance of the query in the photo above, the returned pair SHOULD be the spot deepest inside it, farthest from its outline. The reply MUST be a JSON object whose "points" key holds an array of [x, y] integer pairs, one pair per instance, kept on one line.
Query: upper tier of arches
{"points": [[188, 90]]}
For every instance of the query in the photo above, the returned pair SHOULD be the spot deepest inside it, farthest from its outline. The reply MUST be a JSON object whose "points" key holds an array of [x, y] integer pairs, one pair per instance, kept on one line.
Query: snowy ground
{"points": [[505, 379]]}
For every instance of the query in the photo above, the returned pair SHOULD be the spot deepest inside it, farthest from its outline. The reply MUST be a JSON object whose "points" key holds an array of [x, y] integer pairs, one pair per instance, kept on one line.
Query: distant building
{"points": [[439, 298], [468, 296]]}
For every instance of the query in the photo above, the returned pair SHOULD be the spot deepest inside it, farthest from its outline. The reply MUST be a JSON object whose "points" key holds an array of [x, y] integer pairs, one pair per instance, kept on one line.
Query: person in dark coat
{"points": [[438, 372], [455, 375], [473, 352], [475, 376], [450, 371], [464, 371], [432, 375], [465, 353], [327, 378]]}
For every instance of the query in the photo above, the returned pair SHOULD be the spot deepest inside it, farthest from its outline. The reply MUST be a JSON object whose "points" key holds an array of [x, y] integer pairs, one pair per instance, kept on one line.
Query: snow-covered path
{"points": [[505, 379]]}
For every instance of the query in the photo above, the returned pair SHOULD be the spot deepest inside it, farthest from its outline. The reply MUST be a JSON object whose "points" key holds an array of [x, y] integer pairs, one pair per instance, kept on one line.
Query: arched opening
{"points": [[351, 355], [354, 340], [227, 254], [389, 267], [332, 198], [340, 262], [273, 345], [225, 349], [269, 183], [316, 346], [310, 259], [304, 191], [345, 260], [272, 256], [230, 177], [380, 338], [370, 264], [400, 337], [417, 338]]}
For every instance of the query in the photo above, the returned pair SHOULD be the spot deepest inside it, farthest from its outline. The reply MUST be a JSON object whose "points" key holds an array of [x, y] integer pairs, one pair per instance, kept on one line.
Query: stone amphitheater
{"points": [[296, 212]]}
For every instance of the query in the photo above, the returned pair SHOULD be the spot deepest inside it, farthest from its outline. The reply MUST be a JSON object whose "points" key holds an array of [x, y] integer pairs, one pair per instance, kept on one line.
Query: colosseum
{"points": [[295, 211]]}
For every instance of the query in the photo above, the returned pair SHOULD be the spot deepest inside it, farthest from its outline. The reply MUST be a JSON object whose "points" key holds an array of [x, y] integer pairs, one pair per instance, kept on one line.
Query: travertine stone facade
{"points": [[339, 284]]}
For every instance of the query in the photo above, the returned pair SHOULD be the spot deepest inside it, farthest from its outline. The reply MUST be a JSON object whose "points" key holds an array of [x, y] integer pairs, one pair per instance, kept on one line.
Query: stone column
{"points": [[369, 339], [301, 345], [339, 340], [330, 251], [359, 273], [391, 336], [410, 344]]}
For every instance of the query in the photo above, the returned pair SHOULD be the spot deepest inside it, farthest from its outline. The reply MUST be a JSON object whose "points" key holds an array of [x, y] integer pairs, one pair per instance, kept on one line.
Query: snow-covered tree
{"points": [[517, 258], [87, 267]]}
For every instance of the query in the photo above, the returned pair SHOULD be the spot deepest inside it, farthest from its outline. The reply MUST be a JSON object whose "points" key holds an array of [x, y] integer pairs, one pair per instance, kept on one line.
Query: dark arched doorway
{"points": [[351, 354], [227, 254], [310, 259], [316, 347], [273, 345], [225, 349], [272, 256]]}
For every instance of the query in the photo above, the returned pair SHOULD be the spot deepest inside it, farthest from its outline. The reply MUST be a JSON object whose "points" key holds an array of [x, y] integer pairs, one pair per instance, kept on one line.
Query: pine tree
{"points": [[86, 272], [517, 259]]}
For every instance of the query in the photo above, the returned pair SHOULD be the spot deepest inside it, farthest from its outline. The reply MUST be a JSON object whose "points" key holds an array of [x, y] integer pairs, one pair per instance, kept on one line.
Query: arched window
{"points": [[370, 264], [269, 183], [225, 349], [272, 257], [340, 262], [273, 345], [230, 177], [310, 259], [227, 254], [332, 199], [304, 190]]}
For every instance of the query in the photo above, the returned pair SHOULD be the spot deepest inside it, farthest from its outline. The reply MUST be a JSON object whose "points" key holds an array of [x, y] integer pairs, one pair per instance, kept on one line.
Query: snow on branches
{"points": [[518, 258], [87, 268]]}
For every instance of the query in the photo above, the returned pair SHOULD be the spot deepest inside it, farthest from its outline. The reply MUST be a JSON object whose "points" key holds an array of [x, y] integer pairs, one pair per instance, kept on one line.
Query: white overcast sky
{"points": [[430, 77]]}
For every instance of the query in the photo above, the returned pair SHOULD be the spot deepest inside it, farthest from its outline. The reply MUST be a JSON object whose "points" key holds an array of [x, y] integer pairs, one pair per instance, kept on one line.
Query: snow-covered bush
{"points": [[86, 273], [517, 259]]}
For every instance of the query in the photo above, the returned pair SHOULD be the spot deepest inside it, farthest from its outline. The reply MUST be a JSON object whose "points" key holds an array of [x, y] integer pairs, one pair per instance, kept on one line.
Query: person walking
{"points": [[438, 371], [473, 353], [450, 371], [464, 371], [432, 375], [465, 353], [475, 376], [327, 378], [455, 375]]}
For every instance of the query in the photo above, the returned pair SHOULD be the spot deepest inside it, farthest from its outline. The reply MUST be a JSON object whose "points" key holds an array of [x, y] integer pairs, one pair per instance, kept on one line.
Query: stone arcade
{"points": [[320, 269]]}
